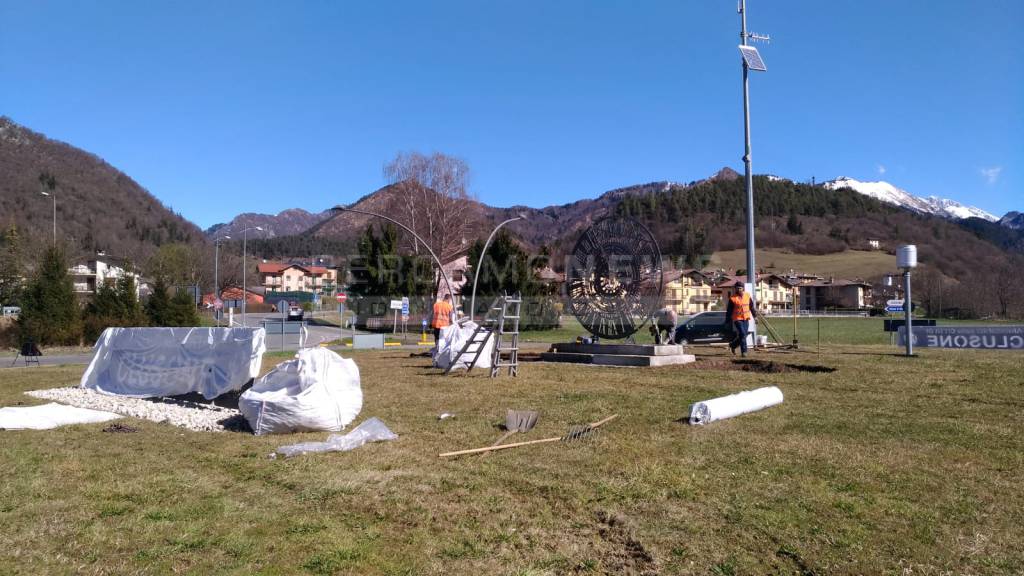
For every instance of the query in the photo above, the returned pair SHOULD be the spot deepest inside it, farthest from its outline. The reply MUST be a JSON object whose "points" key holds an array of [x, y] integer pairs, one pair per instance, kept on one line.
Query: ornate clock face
{"points": [[614, 277]]}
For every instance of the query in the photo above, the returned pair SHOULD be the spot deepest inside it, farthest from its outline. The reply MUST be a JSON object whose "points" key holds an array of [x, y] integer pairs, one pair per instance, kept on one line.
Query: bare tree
{"points": [[432, 198]]}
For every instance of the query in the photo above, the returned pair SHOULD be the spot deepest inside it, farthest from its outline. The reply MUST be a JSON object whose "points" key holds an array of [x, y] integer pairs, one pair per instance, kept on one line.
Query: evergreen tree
{"points": [[794, 226], [115, 304], [182, 310], [11, 269], [158, 305], [50, 313], [507, 269]]}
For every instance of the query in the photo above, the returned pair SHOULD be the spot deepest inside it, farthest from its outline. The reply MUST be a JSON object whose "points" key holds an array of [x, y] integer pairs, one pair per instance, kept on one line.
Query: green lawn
{"points": [[887, 465], [848, 264]]}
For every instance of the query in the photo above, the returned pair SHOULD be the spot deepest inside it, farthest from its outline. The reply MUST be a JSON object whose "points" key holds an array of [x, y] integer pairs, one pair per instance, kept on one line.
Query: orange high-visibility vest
{"points": [[740, 307], [442, 314]]}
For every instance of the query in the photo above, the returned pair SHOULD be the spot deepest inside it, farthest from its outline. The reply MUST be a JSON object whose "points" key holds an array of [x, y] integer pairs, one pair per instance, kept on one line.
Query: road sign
{"points": [[892, 309], [218, 304], [894, 303], [405, 307], [341, 297], [282, 306], [396, 305], [984, 337]]}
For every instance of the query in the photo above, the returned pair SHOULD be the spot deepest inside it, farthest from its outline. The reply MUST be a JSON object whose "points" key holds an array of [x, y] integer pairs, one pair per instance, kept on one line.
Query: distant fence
{"points": [[819, 314]]}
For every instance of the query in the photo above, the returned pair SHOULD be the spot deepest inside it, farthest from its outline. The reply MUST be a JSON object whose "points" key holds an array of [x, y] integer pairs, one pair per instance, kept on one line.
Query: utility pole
{"points": [[751, 60]]}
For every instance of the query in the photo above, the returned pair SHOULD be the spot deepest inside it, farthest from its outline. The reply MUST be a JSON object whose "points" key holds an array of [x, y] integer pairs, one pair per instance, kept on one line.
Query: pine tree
{"points": [[50, 313], [182, 310], [11, 269], [158, 306]]}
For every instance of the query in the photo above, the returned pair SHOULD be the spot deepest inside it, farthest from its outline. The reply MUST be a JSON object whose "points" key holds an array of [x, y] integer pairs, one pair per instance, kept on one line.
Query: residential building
{"points": [[834, 293], [688, 291], [287, 277], [88, 277], [774, 292]]}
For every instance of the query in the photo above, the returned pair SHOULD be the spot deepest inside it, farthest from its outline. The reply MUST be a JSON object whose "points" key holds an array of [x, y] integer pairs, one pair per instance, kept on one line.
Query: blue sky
{"points": [[224, 107]]}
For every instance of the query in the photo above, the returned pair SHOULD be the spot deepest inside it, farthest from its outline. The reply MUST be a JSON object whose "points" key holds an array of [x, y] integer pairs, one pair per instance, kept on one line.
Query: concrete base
{"points": [[617, 354]]}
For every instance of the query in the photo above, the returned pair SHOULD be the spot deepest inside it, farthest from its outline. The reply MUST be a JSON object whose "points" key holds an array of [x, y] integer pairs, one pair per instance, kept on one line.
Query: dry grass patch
{"points": [[882, 466]]}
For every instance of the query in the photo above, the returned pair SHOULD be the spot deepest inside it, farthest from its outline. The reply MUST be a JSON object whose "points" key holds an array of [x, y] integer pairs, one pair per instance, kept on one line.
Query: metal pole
{"points": [[244, 235], [480, 262], [54, 196], [907, 312], [748, 174], [216, 279]]}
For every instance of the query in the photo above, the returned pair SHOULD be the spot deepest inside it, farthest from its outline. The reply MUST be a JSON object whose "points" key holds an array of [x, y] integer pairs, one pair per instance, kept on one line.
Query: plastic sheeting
{"points": [[317, 390], [49, 416], [372, 430], [734, 405], [151, 362], [450, 343]]}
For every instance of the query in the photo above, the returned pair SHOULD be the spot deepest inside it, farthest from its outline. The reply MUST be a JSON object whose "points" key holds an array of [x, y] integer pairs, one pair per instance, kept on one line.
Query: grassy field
{"points": [[887, 465], [848, 264]]}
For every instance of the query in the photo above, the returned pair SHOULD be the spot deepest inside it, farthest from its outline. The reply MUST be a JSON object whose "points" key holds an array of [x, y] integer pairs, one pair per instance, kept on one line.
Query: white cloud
{"points": [[991, 175], [881, 169]]}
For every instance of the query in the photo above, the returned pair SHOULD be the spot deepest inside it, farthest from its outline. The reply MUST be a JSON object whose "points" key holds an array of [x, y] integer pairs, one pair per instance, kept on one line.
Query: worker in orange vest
{"points": [[739, 312], [442, 315]]}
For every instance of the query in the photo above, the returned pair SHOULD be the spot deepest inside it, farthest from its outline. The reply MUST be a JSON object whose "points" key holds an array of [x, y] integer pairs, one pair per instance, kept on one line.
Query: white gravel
{"points": [[199, 416]]}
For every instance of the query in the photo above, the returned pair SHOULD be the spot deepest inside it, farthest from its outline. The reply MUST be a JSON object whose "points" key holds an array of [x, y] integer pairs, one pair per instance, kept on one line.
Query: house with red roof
{"points": [[288, 277]]}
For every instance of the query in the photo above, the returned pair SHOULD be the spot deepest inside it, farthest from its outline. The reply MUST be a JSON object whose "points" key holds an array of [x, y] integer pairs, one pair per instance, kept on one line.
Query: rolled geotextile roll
{"points": [[734, 405]]}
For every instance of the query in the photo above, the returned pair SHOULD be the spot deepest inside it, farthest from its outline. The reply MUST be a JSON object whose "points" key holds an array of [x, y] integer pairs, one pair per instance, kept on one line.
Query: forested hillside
{"points": [[710, 215], [99, 208]]}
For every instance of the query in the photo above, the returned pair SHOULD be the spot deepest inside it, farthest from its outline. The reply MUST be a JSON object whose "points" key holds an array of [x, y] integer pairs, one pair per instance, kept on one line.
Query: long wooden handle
{"points": [[517, 444]]}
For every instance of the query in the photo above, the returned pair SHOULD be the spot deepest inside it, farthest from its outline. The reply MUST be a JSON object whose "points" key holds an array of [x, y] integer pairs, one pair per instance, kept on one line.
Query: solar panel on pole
{"points": [[752, 58]]}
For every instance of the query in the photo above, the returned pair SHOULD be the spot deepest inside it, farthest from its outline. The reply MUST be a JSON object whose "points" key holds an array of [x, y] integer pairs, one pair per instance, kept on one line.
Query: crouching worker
{"points": [[664, 322], [739, 313]]}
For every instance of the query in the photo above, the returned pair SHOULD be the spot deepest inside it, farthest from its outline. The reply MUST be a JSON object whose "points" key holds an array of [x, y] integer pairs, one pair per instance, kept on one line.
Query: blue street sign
{"points": [[894, 308]]}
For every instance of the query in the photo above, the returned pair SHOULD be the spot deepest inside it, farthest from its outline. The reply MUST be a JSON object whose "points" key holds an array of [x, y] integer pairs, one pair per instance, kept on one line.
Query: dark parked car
{"points": [[705, 327]]}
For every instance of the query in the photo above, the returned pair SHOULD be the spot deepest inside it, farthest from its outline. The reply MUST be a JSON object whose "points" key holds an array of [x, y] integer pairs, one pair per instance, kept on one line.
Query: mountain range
{"points": [[890, 194]]}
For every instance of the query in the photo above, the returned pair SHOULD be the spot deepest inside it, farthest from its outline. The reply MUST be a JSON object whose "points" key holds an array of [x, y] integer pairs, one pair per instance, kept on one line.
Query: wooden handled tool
{"points": [[574, 434]]}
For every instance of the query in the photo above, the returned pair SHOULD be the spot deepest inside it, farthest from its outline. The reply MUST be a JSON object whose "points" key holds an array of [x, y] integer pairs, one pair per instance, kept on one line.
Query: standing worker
{"points": [[739, 312], [442, 316]]}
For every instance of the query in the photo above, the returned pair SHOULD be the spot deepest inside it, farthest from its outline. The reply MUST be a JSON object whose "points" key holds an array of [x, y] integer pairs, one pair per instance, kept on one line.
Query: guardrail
{"points": [[283, 329], [819, 314]]}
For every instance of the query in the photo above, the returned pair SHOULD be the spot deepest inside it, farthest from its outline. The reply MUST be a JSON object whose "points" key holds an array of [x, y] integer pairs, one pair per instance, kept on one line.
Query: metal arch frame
{"points": [[440, 267], [659, 285], [480, 261]]}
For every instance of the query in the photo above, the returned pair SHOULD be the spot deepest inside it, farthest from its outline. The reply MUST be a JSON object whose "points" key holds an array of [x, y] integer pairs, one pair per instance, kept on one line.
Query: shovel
{"points": [[517, 421]]}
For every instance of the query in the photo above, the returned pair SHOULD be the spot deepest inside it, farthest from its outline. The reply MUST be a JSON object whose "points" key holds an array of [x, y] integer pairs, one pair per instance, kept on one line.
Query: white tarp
{"points": [[450, 343], [150, 362], [317, 390], [734, 405], [49, 416]]}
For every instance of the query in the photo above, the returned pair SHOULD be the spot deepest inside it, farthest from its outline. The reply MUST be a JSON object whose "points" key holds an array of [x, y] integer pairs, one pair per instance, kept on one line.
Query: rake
{"points": [[575, 433]]}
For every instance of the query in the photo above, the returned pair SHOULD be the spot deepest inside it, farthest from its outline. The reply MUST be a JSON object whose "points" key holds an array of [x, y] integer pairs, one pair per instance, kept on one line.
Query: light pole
{"points": [[245, 289], [216, 276], [54, 197], [751, 61], [437, 260], [480, 262]]}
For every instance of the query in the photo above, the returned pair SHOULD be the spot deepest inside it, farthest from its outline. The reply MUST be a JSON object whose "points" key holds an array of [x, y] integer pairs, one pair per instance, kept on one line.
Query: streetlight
{"points": [[54, 197], [244, 288], [751, 61], [440, 267], [216, 275], [480, 262]]}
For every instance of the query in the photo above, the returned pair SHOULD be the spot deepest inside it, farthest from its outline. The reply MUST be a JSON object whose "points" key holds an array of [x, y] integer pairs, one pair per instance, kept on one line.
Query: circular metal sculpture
{"points": [[614, 277]]}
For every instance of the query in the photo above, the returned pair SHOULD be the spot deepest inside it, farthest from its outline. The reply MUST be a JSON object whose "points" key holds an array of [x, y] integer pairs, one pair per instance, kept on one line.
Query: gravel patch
{"points": [[199, 415]]}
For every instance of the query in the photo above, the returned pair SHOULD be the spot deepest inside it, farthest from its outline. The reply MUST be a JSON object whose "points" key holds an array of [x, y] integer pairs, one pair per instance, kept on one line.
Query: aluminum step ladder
{"points": [[480, 336], [506, 340]]}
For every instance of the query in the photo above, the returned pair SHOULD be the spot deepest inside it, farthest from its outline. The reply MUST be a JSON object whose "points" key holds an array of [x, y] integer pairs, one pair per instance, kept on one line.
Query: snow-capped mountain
{"points": [[892, 195]]}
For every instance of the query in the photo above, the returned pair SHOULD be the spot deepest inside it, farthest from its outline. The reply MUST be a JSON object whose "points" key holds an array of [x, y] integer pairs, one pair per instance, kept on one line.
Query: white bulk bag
{"points": [[734, 405], [450, 343], [317, 390], [150, 362]]}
